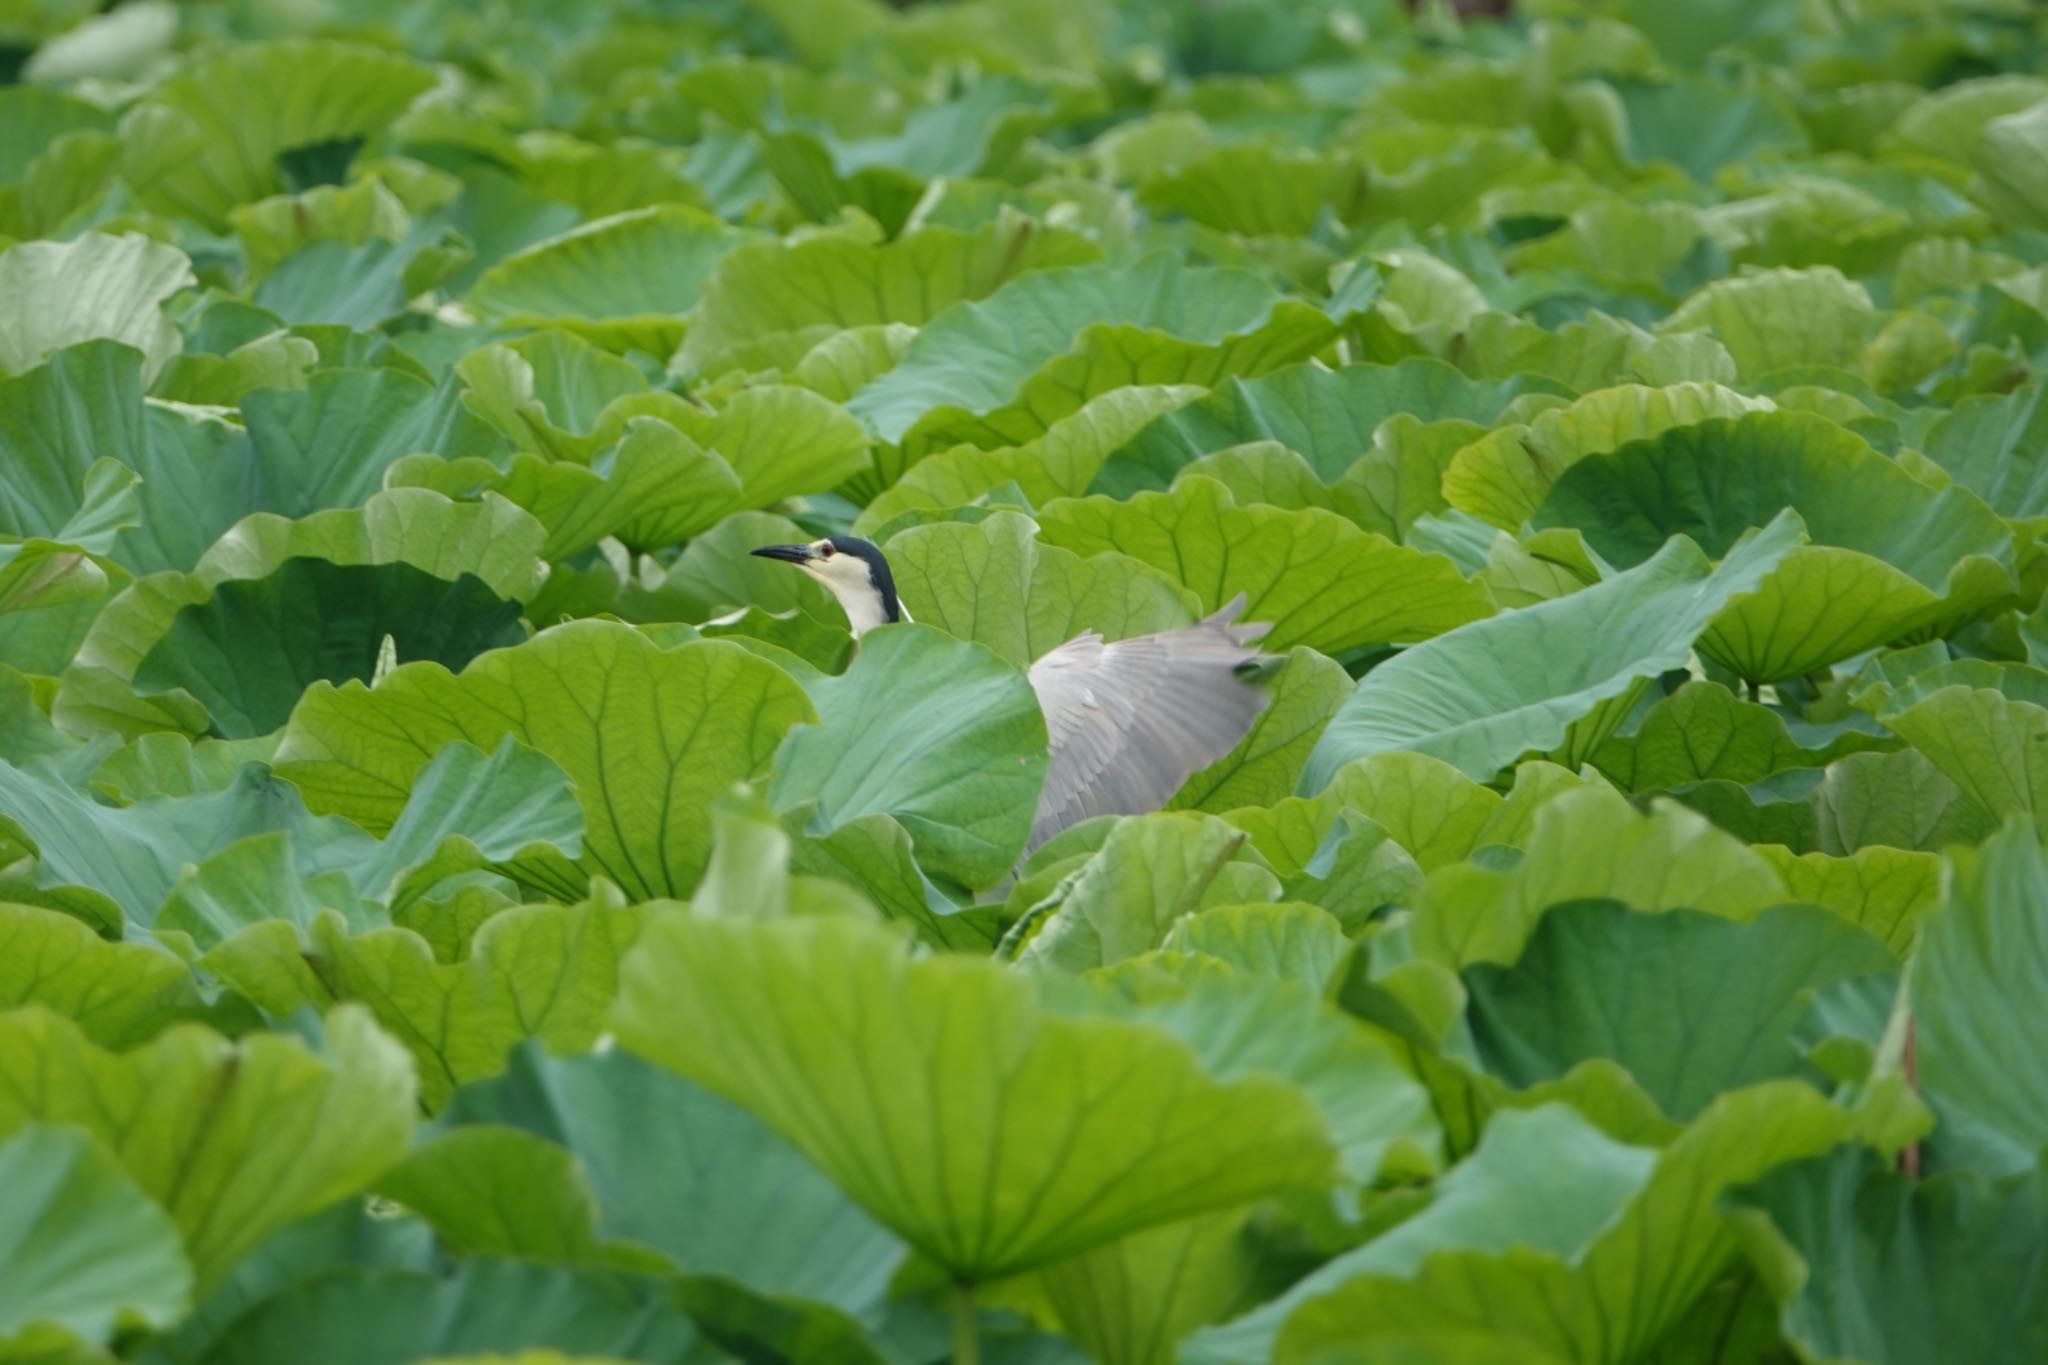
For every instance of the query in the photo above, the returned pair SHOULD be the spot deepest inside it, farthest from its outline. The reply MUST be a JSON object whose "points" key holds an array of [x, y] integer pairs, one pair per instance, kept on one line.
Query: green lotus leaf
{"points": [[683, 723], [724, 1197], [275, 229], [1082, 1128], [994, 583], [764, 290], [1979, 960], [474, 1309], [1705, 733], [1587, 845], [1888, 558], [234, 1139], [1326, 416], [1150, 872], [1691, 1004], [1132, 1301], [85, 1250], [278, 604], [1886, 891], [1294, 187], [1291, 940], [1302, 694], [211, 136], [1864, 1261], [1319, 579], [1060, 463], [93, 288], [1529, 681], [978, 354], [555, 393], [961, 770], [1504, 476], [1984, 739], [119, 994], [547, 972], [498, 1192], [1605, 1234], [1107, 357], [1994, 446], [623, 281], [1777, 319]]}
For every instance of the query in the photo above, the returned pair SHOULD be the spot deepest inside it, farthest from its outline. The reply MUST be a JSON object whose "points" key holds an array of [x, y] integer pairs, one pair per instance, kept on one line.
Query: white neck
{"points": [[857, 596]]}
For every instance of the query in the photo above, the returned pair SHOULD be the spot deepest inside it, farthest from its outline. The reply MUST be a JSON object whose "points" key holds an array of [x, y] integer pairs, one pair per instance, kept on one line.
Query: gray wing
{"points": [[1130, 722]]}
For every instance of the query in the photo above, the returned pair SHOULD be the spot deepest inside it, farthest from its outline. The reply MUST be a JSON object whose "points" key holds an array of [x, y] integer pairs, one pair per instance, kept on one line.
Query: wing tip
{"points": [[1225, 617]]}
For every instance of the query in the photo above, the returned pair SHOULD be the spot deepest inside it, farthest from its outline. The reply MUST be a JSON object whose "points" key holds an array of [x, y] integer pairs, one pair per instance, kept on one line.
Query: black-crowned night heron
{"points": [[1127, 723]]}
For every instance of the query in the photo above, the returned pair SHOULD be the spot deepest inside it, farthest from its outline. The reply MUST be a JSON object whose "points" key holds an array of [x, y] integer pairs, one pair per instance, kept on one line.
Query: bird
{"points": [[1127, 722]]}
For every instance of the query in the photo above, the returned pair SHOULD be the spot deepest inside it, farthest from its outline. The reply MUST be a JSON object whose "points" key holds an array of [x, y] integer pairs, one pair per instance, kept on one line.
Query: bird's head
{"points": [[856, 573]]}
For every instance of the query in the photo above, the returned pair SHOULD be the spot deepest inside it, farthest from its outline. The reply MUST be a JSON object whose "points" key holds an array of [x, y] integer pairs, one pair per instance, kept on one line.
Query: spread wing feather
{"points": [[1130, 722]]}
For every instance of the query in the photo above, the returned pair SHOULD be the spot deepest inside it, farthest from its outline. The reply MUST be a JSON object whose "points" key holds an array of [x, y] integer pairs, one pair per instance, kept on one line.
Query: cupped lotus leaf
{"points": [[844, 363], [1949, 120], [977, 354], [210, 137], [960, 768], [277, 604], [1320, 580], [43, 573], [1484, 695], [1505, 475], [119, 994], [1690, 1004], [1588, 1287], [721, 1195], [273, 230], [547, 972], [1245, 1024], [132, 855], [1870, 1264], [778, 439], [509, 812], [761, 290], [95, 287], [1981, 962], [1131, 1302], [1889, 557], [656, 485], [1151, 871], [494, 1191], [553, 392], [2007, 160], [83, 1250], [1434, 811], [1996, 445], [1483, 1205], [1108, 356], [1778, 319], [1302, 695], [1985, 740], [625, 281], [648, 736], [1587, 845], [1294, 186], [1291, 940], [1326, 416], [1703, 732], [1887, 892], [1058, 464], [235, 1139], [990, 1133], [993, 582]]}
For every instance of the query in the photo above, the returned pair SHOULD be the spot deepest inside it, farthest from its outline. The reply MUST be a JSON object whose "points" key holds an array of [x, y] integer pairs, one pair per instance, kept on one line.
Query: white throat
{"points": [[858, 596]]}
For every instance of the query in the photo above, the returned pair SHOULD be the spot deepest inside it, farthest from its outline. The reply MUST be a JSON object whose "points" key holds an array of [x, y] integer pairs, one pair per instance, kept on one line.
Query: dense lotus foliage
{"points": [[456, 905]]}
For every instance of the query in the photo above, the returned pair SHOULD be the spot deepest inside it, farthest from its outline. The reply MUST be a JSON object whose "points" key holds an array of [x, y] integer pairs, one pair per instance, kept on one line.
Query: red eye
{"points": [[826, 551]]}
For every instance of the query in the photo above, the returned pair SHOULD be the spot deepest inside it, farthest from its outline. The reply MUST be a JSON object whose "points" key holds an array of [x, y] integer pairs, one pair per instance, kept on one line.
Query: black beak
{"points": [[789, 554]]}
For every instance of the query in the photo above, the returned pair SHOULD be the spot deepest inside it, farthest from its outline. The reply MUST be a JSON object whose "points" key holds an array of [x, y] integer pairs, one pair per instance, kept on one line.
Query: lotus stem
{"points": [[966, 1327]]}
